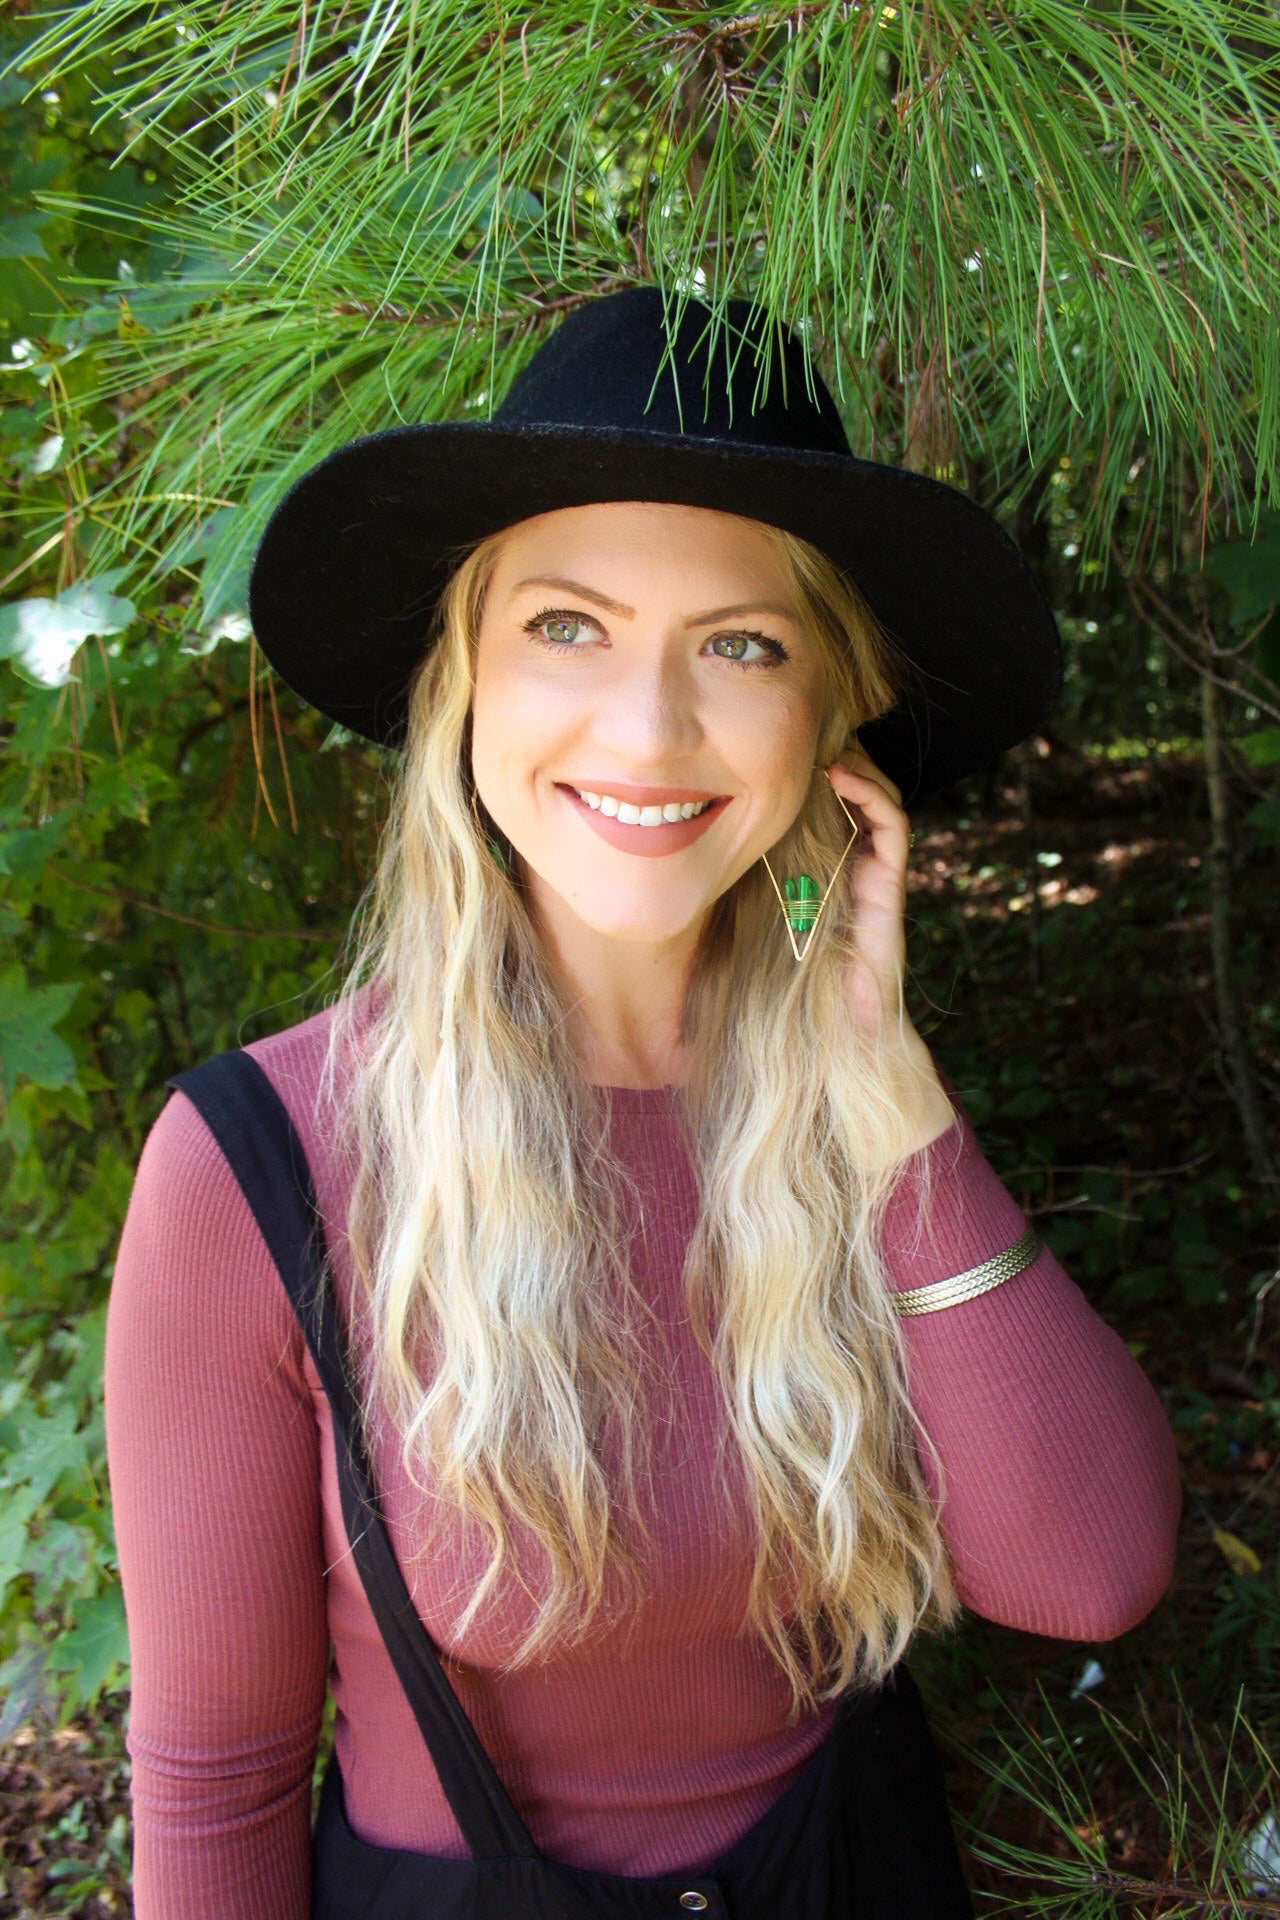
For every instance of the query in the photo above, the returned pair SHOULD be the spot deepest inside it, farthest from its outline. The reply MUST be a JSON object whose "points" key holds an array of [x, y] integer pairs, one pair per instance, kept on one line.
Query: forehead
{"points": [[628, 539]]}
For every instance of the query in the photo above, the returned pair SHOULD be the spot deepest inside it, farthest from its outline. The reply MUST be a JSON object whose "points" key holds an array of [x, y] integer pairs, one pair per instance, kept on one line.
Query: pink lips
{"points": [[645, 840]]}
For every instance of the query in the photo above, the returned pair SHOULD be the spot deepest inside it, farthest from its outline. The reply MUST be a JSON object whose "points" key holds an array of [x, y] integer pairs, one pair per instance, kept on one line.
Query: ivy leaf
{"points": [[1264, 819], [1249, 570], [18, 1509], [51, 1448], [97, 1643], [1261, 749], [28, 1691], [28, 1044], [20, 237], [58, 1559], [41, 637], [24, 851]]}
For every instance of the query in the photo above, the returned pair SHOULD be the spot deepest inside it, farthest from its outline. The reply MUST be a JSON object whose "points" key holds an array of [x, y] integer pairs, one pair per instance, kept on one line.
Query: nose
{"points": [[648, 714]]}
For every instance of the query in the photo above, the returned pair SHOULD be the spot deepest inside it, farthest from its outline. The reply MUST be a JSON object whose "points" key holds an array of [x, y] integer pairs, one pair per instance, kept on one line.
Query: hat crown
{"points": [[606, 366]]}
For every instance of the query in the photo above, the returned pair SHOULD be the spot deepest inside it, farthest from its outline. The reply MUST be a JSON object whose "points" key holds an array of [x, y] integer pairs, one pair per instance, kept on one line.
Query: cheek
{"points": [[517, 699], [504, 708], [773, 739]]}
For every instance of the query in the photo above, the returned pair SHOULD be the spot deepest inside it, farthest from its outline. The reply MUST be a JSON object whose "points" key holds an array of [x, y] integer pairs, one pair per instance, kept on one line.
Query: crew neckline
{"points": [[641, 1099]]}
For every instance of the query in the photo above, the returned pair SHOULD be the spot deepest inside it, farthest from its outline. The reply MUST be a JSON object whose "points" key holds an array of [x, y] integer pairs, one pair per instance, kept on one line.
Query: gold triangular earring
{"points": [[800, 905]]}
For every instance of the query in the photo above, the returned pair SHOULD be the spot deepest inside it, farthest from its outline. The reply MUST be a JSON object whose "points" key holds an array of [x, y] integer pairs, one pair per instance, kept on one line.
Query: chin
{"points": [[649, 920], [644, 928]]}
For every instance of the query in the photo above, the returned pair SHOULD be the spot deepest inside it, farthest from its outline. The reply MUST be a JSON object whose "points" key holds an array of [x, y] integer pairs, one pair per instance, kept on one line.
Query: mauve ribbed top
{"points": [[654, 1743]]}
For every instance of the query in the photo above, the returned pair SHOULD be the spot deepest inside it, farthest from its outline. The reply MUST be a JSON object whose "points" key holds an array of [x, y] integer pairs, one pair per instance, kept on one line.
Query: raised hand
{"points": [[877, 869]]}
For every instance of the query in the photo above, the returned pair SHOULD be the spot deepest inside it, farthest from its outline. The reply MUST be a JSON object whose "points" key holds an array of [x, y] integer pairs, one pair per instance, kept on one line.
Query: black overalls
{"points": [[862, 1833]]}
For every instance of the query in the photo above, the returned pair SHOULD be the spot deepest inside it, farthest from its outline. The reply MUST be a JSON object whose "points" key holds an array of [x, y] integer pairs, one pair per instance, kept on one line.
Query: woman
{"points": [[702, 1356]]}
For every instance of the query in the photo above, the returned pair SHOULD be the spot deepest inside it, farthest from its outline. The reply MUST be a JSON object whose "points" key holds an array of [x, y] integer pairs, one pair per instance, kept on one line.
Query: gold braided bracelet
{"points": [[980, 1279]]}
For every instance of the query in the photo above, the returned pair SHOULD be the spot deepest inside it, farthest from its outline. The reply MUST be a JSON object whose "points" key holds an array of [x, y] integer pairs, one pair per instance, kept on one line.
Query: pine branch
{"points": [[1029, 235]]}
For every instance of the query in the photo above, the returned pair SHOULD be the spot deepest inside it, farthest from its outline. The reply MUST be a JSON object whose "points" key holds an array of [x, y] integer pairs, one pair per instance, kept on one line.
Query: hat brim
{"points": [[351, 564]]}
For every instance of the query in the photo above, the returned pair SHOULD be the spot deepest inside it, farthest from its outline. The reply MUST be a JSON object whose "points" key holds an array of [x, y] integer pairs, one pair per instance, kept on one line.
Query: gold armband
{"points": [[963, 1286]]}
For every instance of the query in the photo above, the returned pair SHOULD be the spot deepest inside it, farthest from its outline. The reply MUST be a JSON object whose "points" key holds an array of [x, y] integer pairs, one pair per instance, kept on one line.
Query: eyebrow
{"points": [[628, 613]]}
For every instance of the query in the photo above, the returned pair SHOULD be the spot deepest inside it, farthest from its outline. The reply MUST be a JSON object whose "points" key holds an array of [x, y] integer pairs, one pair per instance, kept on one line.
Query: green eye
{"points": [[774, 651]]}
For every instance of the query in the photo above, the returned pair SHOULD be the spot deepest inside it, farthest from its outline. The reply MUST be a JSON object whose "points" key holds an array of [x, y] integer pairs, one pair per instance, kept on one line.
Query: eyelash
{"points": [[775, 647]]}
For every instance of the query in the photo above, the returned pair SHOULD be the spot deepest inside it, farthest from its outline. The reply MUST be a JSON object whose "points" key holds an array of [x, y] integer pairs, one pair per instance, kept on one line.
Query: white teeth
{"points": [[642, 816]]}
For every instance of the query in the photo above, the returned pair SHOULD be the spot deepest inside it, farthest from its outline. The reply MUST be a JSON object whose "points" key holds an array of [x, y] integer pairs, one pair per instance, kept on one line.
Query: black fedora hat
{"points": [[354, 557]]}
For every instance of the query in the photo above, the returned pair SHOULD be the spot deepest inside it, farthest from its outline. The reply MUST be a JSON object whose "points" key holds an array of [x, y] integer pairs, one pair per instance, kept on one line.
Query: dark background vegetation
{"points": [[1092, 937]]}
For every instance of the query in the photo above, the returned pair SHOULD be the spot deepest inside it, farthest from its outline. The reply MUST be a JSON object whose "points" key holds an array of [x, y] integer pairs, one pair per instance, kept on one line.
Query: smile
{"points": [[644, 830], [642, 816]]}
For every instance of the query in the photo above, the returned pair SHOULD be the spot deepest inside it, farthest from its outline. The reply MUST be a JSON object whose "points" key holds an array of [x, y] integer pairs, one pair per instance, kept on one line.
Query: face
{"points": [[644, 654]]}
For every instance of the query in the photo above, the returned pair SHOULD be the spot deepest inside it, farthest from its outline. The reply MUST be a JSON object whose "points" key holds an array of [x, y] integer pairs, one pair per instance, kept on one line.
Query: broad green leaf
{"points": [[1261, 749], [25, 850], [20, 236], [1264, 820], [52, 1447], [22, 424], [96, 1644], [28, 1045], [28, 1691], [59, 1558], [41, 637], [17, 1509], [1249, 570]]}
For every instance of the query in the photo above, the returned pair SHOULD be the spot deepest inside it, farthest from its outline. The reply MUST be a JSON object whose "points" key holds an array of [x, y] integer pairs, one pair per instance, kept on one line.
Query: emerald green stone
{"points": [[802, 892]]}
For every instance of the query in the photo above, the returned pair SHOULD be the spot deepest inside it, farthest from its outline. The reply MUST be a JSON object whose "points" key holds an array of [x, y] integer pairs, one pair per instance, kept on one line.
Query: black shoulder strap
{"points": [[252, 1126]]}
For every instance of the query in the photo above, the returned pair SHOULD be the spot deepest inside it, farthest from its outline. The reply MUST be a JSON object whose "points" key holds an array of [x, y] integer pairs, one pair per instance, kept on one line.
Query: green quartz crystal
{"points": [[802, 893]]}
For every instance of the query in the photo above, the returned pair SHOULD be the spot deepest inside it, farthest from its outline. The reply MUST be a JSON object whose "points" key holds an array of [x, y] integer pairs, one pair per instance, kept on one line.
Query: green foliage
{"points": [[58, 1585], [151, 876], [1242, 1645], [1210, 1852], [1250, 572], [1036, 209], [41, 637]]}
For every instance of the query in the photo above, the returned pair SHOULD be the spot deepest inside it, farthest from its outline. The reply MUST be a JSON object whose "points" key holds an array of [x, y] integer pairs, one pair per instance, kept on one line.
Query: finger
{"points": [[873, 795], [856, 758]]}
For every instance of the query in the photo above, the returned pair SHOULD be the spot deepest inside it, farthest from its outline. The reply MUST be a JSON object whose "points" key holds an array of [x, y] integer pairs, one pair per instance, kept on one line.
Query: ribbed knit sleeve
{"points": [[215, 1486], [1062, 1491]]}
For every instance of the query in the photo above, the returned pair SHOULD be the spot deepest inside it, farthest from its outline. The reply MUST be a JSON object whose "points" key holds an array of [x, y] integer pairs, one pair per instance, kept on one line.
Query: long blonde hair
{"points": [[485, 1227]]}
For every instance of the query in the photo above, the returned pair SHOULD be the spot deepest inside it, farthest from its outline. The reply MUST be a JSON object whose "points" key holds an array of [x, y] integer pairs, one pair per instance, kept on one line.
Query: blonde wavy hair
{"points": [[504, 1332]]}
